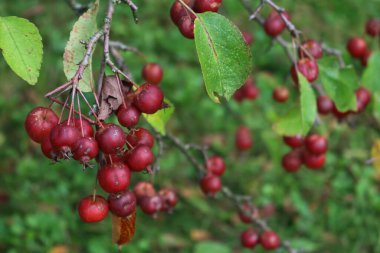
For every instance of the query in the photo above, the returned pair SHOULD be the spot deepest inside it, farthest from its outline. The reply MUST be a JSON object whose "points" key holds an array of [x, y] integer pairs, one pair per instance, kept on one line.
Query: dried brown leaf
{"points": [[111, 96], [123, 228]]}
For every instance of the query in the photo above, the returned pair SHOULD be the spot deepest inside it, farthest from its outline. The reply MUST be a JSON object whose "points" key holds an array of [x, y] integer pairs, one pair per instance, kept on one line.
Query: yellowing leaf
{"points": [[375, 156]]}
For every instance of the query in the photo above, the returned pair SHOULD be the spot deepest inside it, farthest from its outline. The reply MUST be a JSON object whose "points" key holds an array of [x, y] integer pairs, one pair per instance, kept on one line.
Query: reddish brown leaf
{"points": [[123, 228]]}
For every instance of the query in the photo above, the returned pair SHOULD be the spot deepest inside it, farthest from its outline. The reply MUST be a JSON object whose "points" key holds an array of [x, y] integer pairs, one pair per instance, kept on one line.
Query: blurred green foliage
{"points": [[332, 210]]}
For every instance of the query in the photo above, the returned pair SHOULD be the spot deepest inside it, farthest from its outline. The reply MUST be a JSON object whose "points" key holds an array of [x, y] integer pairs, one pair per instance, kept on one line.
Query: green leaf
{"points": [[83, 29], [371, 75], [225, 59], [339, 84], [376, 105], [208, 247], [300, 119], [21, 44], [159, 119]]}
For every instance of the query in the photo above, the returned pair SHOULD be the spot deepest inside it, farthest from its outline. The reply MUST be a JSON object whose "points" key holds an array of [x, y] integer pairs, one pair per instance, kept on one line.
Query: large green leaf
{"points": [[83, 29], [371, 75], [21, 45], [339, 84], [211, 247], [300, 119], [225, 59], [159, 119]]}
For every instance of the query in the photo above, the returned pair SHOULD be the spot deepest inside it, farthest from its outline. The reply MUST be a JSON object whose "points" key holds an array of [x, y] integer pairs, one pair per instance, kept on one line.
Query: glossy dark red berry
{"points": [[186, 27], [274, 24], [169, 199], [280, 94], [114, 177], [324, 105], [63, 137], [270, 240], [211, 184], [140, 136], [295, 141], [83, 126], [128, 116], [249, 238], [357, 47], [48, 150], [250, 90], [207, 5], [92, 209], [111, 139], [140, 157], [215, 165], [316, 144], [311, 49], [152, 73], [373, 27], [313, 161], [243, 138], [144, 189], [363, 98], [151, 205], [177, 11], [39, 123], [292, 161], [85, 149], [149, 98], [123, 203], [308, 68]]}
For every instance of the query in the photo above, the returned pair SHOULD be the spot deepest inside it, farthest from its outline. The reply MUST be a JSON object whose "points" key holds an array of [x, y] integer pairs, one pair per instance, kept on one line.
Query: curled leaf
{"points": [[123, 228], [111, 96]]}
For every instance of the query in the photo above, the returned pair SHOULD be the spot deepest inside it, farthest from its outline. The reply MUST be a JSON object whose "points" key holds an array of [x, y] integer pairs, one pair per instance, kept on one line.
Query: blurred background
{"points": [[336, 209]]}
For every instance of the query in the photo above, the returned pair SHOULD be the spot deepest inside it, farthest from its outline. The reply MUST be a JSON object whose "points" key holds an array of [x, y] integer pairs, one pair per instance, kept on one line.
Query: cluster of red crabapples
{"points": [[325, 105], [211, 183], [250, 238], [118, 153], [357, 46], [310, 151], [184, 18]]}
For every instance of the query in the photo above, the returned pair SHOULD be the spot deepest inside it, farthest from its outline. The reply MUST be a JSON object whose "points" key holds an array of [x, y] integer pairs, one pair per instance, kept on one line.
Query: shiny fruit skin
{"points": [[295, 141], [373, 27], [144, 189], [84, 125], [210, 184], [324, 105], [243, 138], [312, 48], [151, 205], [149, 98], [85, 149], [93, 211], [114, 177], [64, 137], [186, 27], [201, 6], [140, 136], [280, 94], [122, 204], [128, 116], [111, 139], [313, 161], [316, 144], [152, 73], [215, 165], [139, 158], [249, 238], [292, 161], [270, 240], [308, 68], [357, 47], [39, 122]]}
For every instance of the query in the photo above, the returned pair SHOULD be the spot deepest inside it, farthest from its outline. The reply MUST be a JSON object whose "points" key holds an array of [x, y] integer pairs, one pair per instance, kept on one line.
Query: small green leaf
{"points": [[21, 44], [83, 29], [225, 59], [339, 84], [208, 247], [300, 119], [159, 119], [371, 75], [376, 105]]}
